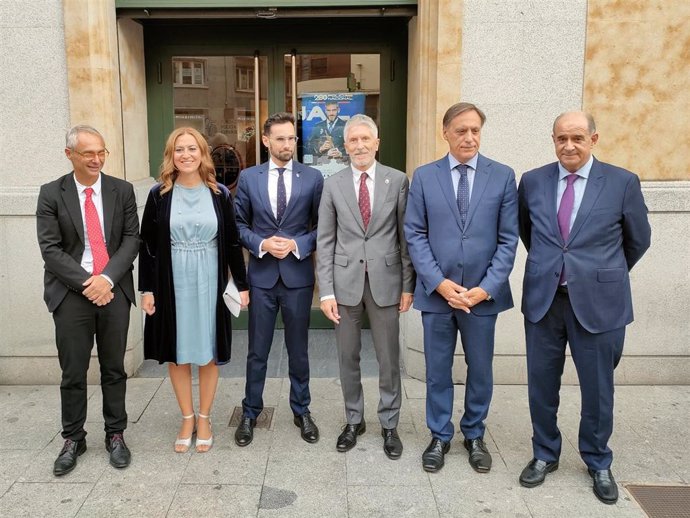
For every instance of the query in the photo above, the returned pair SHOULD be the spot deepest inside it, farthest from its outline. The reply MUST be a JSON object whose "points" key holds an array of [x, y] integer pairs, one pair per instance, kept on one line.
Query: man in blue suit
{"points": [[584, 224], [462, 233], [277, 206]]}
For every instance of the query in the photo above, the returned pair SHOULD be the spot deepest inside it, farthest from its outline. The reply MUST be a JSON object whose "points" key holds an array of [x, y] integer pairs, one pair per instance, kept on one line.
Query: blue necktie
{"points": [[463, 193], [282, 195]]}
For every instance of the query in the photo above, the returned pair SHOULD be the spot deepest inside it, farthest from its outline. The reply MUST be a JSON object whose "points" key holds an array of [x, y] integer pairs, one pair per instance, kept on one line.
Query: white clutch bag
{"points": [[231, 297]]}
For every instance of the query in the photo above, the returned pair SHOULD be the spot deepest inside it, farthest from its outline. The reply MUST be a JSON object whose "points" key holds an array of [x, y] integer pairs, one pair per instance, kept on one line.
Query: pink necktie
{"points": [[364, 203], [565, 212], [95, 234]]}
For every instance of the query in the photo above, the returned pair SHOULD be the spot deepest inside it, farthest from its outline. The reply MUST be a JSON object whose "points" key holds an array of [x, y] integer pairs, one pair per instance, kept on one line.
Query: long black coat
{"points": [[155, 274]]}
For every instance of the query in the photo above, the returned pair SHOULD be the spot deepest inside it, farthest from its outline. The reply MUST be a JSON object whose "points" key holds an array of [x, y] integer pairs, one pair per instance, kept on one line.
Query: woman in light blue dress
{"points": [[189, 242]]}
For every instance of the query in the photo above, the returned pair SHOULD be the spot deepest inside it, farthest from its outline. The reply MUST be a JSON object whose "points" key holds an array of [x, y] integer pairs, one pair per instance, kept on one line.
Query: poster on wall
{"points": [[323, 121]]}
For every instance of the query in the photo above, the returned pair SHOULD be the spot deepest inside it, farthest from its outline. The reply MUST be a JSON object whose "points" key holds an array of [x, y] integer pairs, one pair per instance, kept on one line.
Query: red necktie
{"points": [[95, 234], [364, 204]]}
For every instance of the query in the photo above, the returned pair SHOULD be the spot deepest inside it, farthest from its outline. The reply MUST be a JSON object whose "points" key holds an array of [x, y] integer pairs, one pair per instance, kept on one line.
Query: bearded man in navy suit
{"points": [[277, 206], [462, 233], [584, 224]]}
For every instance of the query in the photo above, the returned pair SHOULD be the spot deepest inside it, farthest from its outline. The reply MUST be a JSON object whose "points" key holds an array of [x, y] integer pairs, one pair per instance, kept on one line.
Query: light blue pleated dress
{"points": [[194, 250]]}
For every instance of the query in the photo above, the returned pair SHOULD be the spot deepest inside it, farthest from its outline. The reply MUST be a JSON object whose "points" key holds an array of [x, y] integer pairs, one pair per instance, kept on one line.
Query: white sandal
{"points": [[204, 442], [185, 443]]}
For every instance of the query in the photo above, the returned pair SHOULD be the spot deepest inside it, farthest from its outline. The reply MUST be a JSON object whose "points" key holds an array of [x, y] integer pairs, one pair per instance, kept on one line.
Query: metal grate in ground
{"points": [[263, 421], [662, 501]]}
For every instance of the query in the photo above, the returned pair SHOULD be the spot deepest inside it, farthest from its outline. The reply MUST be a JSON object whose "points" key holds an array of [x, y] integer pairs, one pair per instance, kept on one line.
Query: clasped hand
{"points": [[98, 290], [278, 247], [459, 297]]}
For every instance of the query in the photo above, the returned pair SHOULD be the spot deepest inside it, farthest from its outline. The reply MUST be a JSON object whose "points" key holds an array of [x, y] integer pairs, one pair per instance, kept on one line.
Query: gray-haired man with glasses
{"points": [[276, 207], [88, 231]]}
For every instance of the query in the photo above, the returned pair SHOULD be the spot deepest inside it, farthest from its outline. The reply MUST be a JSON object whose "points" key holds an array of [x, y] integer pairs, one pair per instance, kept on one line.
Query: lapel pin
{"points": [[386, 181], [297, 175]]}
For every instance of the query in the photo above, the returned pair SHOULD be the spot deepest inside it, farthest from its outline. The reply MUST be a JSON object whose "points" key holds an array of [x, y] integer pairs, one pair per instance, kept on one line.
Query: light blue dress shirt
{"points": [[455, 174]]}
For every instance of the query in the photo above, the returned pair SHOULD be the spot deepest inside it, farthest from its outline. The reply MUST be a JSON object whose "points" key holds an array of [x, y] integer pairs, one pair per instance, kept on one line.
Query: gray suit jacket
{"points": [[344, 248]]}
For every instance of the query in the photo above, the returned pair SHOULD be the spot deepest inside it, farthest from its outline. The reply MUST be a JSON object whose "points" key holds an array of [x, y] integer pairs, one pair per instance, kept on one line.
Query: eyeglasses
{"points": [[90, 155], [285, 140]]}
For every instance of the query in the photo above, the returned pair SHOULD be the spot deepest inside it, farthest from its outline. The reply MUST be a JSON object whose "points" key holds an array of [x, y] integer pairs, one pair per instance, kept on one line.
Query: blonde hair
{"points": [[168, 173]]}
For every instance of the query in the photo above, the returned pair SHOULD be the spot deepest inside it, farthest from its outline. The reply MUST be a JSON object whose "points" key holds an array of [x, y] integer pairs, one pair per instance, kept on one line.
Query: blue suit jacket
{"points": [[480, 254], [610, 234], [256, 222]]}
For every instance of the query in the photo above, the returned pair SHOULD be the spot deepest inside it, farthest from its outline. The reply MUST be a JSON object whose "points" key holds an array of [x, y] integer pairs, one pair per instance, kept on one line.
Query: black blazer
{"points": [[155, 274], [60, 231]]}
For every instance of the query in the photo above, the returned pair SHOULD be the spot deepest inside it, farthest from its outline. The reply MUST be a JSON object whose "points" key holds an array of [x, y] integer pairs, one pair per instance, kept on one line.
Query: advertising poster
{"points": [[323, 120]]}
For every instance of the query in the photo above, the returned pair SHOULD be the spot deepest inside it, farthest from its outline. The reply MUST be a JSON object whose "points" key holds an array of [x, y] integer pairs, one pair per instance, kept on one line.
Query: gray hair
{"points": [[73, 135], [591, 126], [361, 120]]}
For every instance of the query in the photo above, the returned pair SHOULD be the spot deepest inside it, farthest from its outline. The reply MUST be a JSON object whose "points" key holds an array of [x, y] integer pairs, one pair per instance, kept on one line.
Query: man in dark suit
{"points": [[88, 231], [363, 265], [584, 224], [277, 206], [462, 233], [326, 138]]}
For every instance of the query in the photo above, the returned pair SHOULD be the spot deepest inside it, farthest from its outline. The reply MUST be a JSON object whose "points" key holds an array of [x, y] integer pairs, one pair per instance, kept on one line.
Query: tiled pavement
{"points": [[280, 475]]}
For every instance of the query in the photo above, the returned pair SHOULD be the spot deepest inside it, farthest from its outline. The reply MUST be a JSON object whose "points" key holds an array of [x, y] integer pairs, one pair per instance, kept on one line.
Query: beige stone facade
{"points": [[523, 62]]}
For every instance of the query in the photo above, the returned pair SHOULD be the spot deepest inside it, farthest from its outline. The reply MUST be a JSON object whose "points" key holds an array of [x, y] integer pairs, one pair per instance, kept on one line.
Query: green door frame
{"points": [[388, 37]]}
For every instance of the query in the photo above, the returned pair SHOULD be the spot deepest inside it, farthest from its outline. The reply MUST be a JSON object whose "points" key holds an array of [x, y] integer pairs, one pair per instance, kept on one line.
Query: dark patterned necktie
{"points": [[282, 195], [364, 203], [463, 199]]}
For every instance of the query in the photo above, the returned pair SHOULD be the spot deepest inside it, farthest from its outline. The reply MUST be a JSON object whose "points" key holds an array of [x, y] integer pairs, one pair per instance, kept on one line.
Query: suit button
{"points": [[366, 239], [565, 248], [464, 237], [361, 260], [556, 274]]}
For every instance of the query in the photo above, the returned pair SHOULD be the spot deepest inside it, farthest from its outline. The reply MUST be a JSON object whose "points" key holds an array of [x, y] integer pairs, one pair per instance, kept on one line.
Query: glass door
{"points": [[225, 98]]}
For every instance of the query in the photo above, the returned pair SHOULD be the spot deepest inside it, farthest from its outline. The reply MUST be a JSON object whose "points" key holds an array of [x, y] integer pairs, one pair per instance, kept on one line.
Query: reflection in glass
{"points": [[330, 89], [215, 95]]}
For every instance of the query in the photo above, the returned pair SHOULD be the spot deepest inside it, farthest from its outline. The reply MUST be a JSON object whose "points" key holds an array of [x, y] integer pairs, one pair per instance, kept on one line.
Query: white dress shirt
{"points": [[87, 258], [273, 194]]}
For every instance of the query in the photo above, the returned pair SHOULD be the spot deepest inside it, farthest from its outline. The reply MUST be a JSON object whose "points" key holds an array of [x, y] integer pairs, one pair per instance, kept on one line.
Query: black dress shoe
{"points": [[604, 485], [308, 429], [480, 458], [245, 431], [348, 438], [67, 459], [120, 456], [392, 445], [535, 472], [432, 458]]}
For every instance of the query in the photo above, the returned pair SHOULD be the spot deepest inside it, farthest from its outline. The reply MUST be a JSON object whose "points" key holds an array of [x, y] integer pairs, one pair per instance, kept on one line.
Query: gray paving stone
{"points": [[121, 500], [309, 466], [140, 391], [232, 465], [14, 464], [215, 500], [417, 501], [548, 501], [161, 467], [367, 464], [414, 389], [89, 469], [32, 500], [291, 499]]}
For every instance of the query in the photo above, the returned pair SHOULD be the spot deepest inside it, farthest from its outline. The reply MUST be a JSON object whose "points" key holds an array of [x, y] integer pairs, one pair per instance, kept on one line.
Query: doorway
{"points": [[224, 77]]}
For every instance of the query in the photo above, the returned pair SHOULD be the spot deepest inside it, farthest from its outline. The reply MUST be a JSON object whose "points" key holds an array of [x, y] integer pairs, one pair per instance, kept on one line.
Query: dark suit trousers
{"points": [[77, 320], [295, 307], [385, 331], [595, 357], [440, 337]]}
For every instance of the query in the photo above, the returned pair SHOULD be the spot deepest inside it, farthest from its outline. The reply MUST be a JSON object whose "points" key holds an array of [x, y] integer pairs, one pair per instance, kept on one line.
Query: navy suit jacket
{"points": [[610, 234], [481, 253], [256, 222]]}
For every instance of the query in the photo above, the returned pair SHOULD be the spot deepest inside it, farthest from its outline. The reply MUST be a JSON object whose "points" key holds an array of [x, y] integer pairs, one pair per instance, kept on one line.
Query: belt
{"points": [[562, 289]]}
